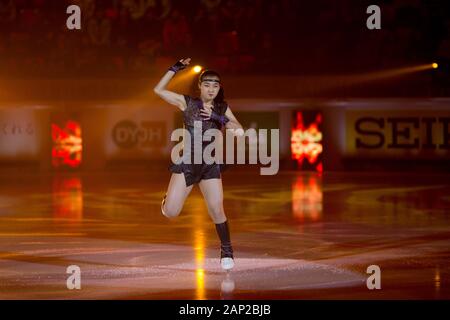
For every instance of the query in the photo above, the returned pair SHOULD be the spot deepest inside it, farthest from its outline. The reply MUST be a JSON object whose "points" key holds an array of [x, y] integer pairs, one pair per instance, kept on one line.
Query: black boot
{"points": [[226, 250]]}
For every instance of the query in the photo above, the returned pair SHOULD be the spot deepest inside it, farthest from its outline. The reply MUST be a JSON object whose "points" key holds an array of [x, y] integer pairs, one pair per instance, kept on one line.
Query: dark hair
{"points": [[220, 98]]}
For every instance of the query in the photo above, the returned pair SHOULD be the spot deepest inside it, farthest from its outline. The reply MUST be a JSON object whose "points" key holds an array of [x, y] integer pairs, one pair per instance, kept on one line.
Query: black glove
{"points": [[177, 66], [222, 119]]}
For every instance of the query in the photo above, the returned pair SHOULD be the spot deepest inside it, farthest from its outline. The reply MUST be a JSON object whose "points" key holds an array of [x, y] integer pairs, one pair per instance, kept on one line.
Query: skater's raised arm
{"points": [[170, 96]]}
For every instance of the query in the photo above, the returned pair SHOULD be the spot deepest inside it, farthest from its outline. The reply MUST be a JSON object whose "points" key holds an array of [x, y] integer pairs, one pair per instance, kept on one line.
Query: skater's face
{"points": [[209, 87]]}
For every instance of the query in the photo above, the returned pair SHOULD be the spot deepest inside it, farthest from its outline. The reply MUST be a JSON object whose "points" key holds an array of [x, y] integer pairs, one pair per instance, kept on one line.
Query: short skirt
{"points": [[194, 173]]}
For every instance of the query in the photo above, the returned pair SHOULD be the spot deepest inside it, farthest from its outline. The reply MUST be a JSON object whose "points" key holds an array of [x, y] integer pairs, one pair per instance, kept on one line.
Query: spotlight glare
{"points": [[434, 65], [197, 69]]}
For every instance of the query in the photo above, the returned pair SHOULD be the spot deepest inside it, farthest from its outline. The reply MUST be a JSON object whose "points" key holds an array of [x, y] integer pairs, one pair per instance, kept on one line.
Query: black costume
{"points": [[193, 173]]}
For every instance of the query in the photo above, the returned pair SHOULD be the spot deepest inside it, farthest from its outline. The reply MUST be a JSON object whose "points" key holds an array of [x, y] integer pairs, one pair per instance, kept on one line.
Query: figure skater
{"points": [[213, 112]]}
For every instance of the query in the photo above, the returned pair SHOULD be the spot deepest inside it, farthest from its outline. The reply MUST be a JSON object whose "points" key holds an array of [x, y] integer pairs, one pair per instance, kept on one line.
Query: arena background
{"points": [[103, 75], [364, 120]]}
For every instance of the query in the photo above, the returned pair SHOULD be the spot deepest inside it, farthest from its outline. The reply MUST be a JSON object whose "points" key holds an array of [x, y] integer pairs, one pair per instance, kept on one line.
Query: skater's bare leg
{"points": [[176, 195], [213, 193]]}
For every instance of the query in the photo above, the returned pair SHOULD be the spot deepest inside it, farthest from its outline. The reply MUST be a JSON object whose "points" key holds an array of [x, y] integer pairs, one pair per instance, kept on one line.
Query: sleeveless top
{"points": [[195, 172], [192, 113]]}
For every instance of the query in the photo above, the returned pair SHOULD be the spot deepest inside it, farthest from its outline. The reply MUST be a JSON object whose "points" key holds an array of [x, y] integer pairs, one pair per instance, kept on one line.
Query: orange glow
{"points": [[306, 143], [67, 145], [67, 199], [199, 247], [437, 279], [434, 65], [197, 69], [307, 198]]}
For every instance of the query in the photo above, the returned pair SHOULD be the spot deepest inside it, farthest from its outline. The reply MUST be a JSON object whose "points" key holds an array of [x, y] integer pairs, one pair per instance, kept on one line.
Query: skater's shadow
{"points": [[227, 287]]}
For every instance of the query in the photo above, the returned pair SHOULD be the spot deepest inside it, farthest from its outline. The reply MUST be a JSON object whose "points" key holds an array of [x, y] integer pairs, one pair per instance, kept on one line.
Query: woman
{"points": [[213, 112]]}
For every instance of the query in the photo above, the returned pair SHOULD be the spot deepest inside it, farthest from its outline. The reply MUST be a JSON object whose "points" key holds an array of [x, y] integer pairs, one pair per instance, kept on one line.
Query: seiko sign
{"points": [[402, 132], [398, 133]]}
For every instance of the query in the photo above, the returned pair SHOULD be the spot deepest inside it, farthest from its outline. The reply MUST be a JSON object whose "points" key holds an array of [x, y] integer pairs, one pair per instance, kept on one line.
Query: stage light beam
{"points": [[197, 69]]}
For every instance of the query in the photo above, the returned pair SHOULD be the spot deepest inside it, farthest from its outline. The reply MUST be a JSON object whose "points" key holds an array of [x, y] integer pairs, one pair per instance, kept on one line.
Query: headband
{"points": [[210, 80]]}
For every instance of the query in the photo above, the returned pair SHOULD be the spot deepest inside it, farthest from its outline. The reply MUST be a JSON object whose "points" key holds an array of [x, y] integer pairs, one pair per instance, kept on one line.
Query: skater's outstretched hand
{"points": [[180, 65]]}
